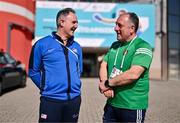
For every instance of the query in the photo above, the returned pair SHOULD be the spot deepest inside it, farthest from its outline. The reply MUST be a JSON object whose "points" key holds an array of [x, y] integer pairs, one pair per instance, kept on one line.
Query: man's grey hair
{"points": [[64, 12], [134, 19]]}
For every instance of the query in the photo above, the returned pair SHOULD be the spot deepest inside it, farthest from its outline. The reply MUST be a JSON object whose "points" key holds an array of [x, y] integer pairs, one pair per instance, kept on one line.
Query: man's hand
{"points": [[109, 93], [102, 87]]}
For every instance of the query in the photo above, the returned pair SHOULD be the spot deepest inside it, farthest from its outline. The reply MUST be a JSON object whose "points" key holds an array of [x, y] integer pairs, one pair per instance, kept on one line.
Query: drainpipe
{"points": [[9, 37], [164, 44]]}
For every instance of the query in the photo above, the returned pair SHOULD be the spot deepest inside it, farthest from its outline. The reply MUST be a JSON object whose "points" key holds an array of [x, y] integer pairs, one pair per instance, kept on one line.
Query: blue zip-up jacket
{"points": [[55, 69]]}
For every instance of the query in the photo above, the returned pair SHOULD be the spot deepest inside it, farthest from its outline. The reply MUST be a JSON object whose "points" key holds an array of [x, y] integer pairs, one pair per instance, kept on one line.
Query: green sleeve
{"points": [[105, 58], [143, 57]]}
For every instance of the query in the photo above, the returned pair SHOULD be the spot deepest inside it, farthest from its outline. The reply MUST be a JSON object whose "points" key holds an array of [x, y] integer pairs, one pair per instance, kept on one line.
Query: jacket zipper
{"points": [[68, 72]]}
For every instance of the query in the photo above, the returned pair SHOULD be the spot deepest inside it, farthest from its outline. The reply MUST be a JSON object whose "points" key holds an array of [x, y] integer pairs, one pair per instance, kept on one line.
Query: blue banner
{"points": [[96, 21]]}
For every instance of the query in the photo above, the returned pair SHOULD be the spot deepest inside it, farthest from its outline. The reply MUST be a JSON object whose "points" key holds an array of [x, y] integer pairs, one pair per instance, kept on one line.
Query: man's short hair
{"points": [[134, 19], [63, 12]]}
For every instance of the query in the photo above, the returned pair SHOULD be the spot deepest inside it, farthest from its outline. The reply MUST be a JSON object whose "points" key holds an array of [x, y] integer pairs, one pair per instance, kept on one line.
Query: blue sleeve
{"points": [[35, 65]]}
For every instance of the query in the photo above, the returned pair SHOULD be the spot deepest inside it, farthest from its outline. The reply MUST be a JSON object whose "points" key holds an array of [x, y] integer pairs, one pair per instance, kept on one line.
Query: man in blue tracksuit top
{"points": [[55, 67]]}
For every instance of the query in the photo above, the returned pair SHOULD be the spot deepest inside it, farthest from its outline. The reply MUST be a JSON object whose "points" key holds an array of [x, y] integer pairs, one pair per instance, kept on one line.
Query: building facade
{"points": [[17, 31], [17, 28], [173, 39]]}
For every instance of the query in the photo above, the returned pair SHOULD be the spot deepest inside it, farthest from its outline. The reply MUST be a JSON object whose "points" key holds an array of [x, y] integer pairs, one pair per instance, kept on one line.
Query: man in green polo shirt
{"points": [[124, 73]]}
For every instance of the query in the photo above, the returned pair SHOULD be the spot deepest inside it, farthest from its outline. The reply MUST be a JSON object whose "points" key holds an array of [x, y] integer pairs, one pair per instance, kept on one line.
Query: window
{"points": [[9, 58], [174, 39], [2, 60]]}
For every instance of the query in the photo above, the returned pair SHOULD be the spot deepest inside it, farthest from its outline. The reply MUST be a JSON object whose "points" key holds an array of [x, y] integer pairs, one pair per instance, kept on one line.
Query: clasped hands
{"points": [[107, 91]]}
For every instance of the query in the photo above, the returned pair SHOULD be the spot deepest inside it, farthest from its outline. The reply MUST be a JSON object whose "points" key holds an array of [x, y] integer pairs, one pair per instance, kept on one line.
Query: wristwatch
{"points": [[106, 84]]}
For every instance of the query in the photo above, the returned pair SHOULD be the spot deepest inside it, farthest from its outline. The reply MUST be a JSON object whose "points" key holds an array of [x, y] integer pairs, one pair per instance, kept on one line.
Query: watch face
{"points": [[106, 83]]}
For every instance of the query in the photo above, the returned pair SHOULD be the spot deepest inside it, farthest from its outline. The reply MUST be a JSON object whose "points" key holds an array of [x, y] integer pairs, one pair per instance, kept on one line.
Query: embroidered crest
{"points": [[125, 52], [74, 50]]}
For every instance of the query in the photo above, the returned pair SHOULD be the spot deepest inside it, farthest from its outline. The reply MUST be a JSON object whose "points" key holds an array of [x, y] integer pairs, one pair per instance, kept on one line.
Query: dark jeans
{"points": [[113, 114], [52, 110]]}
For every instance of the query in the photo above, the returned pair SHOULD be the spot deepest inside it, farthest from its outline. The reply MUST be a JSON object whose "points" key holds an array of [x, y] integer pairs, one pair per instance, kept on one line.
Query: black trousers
{"points": [[56, 111], [119, 115]]}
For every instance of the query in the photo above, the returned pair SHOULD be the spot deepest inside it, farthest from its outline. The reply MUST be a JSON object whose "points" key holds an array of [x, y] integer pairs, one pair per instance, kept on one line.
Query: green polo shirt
{"points": [[134, 95]]}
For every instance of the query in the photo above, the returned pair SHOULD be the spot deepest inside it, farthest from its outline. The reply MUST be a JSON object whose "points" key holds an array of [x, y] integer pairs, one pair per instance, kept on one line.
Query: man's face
{"points": [[123, 28], [69, 24]]}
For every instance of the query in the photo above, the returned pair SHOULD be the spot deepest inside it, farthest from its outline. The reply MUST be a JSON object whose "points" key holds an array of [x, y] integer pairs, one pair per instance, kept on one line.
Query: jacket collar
{"points": [[69, 41]]}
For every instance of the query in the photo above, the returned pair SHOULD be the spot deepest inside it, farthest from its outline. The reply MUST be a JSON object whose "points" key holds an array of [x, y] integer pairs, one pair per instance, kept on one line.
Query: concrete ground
{"points": [[21, 105]]}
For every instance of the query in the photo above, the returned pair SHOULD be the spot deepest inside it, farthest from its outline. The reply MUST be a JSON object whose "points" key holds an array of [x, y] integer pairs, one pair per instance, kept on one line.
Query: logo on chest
{"points": [[50, 50], [74, 50]]}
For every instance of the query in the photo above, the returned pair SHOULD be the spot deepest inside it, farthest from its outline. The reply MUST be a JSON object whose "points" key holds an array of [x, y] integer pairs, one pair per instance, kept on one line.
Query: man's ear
{"points": [[60, 23], [132, 29]]}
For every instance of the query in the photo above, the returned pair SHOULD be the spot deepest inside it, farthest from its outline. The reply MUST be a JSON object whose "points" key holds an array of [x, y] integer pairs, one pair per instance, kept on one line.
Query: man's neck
{"points": [[131, 38]]}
